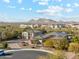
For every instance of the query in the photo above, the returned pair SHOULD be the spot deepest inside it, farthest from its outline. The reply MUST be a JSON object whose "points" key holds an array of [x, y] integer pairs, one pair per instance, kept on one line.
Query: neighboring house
{"points": [[25, 35], [43, 25], [55, 35], [36, 33], [39, 36], [58, 35], [23, 26], [76, 26], [31, 35], [72, 24]]}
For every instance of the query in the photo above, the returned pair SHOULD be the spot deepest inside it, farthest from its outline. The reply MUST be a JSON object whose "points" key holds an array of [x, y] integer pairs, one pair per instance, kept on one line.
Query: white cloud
{"points": [[22, 8], [30, 9], [68, 10], [55, 8], [42, 2], [54, 11], [3, 17], [68, 5], [59, 0], [19, 1], [12, 6], [6, 1], [76, 4], [45, 2], [51, 11]]}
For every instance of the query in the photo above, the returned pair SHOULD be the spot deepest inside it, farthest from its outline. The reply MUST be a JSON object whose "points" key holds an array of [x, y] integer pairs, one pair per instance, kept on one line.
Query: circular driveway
{"points": [[25, 55]]}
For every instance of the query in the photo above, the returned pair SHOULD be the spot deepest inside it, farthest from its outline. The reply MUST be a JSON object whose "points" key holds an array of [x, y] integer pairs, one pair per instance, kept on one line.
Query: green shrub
{"points": [[57, 43], [48, 43], [57, 55], [60, 44], [75, 39], [1, 46], [74, 47]]}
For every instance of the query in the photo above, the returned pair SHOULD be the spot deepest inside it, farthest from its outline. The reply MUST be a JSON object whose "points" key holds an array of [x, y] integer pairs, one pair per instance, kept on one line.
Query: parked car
{"points": [[1, 52]]}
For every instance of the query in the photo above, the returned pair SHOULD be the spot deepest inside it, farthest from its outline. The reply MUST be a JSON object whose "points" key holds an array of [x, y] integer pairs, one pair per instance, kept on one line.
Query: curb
{"points": [[29, 50]]}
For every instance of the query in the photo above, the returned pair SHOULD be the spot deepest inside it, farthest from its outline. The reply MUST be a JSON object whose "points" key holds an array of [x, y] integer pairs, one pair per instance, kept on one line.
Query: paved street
{"points": [[24, 55]]}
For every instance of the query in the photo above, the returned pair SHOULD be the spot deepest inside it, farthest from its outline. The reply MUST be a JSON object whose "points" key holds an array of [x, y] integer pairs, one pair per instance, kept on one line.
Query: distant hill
{"points": [[44, 20], [41, 21]]}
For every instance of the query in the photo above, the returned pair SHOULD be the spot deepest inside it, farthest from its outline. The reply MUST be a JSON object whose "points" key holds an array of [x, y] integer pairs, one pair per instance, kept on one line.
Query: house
{"points": [[43, 23], [76, 26], [55, 35], [25, 35]]}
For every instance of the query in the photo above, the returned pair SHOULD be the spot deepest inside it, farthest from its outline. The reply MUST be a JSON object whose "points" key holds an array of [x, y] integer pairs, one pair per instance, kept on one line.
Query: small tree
{"points": [[5, 45]]}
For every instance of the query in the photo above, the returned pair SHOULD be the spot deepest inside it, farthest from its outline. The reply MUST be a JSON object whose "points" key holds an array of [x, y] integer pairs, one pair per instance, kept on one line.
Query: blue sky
{"points": [[23, 10]]}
